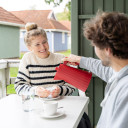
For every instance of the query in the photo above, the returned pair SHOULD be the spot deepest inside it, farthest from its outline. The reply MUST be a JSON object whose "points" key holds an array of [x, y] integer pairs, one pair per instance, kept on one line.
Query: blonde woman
{"points": [[37, 67], [37, 70]]}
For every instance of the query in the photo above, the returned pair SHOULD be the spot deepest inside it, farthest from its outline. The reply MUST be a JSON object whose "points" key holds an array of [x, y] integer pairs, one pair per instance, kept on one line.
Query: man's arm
{"points": [[96, 67]]}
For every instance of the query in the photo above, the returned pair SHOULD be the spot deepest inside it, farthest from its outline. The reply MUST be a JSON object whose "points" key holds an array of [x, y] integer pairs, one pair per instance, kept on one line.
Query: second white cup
{"points": [[50, 107]]}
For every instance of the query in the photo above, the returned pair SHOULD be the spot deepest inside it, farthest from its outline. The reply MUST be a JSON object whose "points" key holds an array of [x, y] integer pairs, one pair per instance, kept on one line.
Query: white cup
{"points": [[50, 107]]}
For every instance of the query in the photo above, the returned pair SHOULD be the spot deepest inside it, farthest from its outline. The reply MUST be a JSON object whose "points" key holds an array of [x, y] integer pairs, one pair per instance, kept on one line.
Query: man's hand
{"points": [[72, 59]]}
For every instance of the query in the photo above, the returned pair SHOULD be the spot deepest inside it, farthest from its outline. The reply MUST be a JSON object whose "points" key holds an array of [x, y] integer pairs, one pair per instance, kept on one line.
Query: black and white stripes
{"points": [[34, 72]]}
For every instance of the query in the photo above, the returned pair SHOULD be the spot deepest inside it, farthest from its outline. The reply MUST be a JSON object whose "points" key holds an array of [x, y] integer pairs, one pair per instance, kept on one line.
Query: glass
{"points": [[28, 101]]}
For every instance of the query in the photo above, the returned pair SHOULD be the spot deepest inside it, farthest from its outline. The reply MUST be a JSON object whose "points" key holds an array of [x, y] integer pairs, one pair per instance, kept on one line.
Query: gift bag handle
{"points": [[65, 62]]}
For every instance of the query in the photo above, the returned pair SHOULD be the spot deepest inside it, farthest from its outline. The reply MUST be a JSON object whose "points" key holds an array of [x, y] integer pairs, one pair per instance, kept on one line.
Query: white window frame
{"points": [[21, 35], [63, 38]]}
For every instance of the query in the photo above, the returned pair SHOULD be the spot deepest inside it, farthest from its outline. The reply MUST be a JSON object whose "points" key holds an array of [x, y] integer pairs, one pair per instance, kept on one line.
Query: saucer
{"points": [[57, 114], [50, 98]]}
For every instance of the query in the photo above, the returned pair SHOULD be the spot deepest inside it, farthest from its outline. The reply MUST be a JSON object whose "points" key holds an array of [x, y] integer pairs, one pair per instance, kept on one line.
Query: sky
{"points": [[17, 5]]}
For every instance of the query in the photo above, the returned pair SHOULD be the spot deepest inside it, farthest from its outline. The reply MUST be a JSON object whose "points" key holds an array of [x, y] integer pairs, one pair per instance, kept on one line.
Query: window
{"points": [[63, 38], [21, 35]]}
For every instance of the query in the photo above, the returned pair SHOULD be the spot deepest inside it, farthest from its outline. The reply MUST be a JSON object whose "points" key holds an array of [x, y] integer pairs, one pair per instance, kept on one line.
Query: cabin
{"points": [[10, 32], [57, 33]]}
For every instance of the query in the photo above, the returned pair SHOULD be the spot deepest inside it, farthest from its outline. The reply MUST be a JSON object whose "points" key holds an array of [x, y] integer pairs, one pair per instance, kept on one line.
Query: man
{"points": [[108, 33]]}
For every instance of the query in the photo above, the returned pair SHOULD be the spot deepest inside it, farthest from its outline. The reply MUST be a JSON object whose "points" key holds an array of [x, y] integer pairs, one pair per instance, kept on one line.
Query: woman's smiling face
{"points": [[39, 46]]}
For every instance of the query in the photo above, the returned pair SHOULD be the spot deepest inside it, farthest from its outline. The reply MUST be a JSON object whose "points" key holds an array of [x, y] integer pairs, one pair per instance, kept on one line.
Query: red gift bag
{"points": [[76, 77]]}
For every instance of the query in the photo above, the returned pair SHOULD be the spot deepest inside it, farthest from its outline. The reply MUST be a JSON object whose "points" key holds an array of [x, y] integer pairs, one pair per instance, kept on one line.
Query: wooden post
{"points": [[7, 75], [3, 65]]}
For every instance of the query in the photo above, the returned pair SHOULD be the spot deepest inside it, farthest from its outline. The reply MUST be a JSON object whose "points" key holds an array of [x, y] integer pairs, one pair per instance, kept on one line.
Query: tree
{"points": [[57, 3], [68, 5]]}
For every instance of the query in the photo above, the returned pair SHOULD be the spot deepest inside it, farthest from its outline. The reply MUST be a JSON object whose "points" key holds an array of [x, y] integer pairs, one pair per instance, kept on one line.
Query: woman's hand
{"points": [[72, 59], [55, 92], [42, 92]]}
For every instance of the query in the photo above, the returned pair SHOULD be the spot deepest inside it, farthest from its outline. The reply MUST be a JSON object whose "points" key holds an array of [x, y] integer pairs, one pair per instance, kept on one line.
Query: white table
{"points": [[13, 116]]}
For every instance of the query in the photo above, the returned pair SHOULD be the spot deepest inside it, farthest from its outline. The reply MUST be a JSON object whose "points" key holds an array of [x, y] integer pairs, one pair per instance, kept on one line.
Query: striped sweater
{"points": [[34, 72]]}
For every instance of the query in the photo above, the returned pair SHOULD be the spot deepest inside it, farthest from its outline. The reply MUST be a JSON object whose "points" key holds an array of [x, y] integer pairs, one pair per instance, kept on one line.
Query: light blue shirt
{"points": [[115, 104]]}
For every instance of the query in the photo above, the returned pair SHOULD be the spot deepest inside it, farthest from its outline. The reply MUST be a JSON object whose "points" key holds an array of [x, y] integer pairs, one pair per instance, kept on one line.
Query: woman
{"points": [[37, 67]]}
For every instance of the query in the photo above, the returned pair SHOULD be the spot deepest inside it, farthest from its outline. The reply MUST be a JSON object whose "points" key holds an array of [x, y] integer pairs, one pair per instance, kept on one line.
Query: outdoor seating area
{"points": [[15, 105], [40, 43], [35, 119]]}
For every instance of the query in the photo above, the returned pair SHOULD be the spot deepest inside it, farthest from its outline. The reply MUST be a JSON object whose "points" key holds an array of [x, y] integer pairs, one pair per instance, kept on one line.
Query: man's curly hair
{"points": [[109, 29]]}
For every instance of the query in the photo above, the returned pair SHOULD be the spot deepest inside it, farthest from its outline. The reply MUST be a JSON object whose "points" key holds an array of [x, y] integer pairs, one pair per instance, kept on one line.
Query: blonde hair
{"points": [[33, 30]]}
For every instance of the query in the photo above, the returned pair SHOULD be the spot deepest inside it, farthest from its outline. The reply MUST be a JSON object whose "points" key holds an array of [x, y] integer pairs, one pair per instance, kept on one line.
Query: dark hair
{"points": [[109, 29]]}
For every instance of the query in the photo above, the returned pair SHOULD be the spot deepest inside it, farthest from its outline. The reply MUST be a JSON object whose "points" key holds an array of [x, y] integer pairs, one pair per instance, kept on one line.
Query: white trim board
{"points": [[52, 30], [11, 24]]}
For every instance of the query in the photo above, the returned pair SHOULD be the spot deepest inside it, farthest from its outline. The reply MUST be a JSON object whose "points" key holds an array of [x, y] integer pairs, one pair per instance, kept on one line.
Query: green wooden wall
{"points": [[9, 41], [82, 10]]}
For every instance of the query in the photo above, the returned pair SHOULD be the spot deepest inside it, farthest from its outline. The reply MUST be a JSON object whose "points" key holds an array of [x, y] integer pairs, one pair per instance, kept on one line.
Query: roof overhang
{"points": [[56, 30], [11, 24], [52, 30]]}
